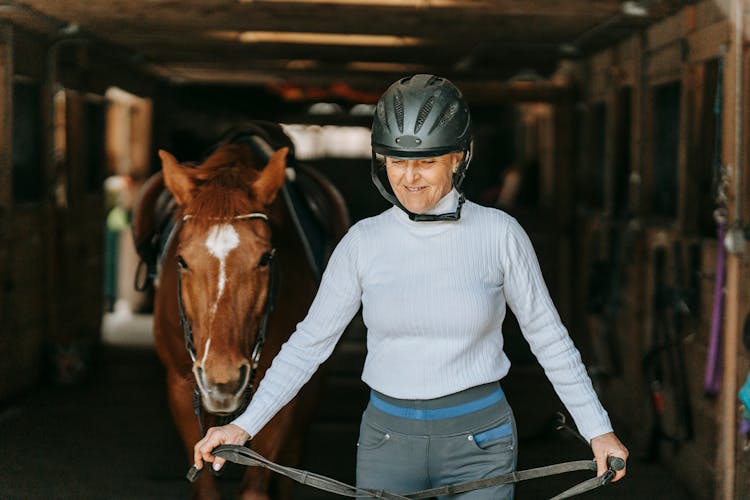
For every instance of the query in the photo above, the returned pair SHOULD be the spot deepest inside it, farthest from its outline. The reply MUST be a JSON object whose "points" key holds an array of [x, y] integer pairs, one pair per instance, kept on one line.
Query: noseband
{"points": [[268, 259]]}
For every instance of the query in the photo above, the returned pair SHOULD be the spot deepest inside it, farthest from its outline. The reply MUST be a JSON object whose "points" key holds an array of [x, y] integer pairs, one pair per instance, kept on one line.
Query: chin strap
{"points": [[437, 217]]}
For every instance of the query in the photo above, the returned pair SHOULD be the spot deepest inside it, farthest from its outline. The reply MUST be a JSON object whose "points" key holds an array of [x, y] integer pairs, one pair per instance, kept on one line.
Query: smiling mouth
{"points": [[414, 189]]}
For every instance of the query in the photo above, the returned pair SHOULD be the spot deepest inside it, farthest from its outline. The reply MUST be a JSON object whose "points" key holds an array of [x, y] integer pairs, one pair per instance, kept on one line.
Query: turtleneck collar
{"points": [[446, 204]]}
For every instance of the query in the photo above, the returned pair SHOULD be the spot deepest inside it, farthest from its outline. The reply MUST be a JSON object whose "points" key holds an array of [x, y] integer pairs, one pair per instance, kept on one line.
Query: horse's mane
{"points": [[222, 185]]}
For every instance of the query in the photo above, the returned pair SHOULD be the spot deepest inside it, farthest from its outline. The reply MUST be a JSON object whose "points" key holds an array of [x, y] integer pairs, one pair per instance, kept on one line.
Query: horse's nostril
{"points": [[199, 378]]}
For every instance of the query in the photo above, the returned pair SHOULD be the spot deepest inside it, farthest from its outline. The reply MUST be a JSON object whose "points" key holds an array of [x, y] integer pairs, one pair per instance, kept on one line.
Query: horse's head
{"points": [[222, 254]]}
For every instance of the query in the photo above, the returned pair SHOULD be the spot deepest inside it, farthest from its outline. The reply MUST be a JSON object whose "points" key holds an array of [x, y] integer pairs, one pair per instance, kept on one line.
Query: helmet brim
{"points": [[413, 153]]}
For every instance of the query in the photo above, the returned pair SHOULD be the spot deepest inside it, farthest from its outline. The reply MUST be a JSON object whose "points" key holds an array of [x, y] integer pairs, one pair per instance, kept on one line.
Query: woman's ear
{"points": [[456, 158]]}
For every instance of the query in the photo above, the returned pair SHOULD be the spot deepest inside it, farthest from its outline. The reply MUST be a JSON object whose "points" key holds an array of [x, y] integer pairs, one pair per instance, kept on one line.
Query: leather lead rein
{"points": [[245, 456]]}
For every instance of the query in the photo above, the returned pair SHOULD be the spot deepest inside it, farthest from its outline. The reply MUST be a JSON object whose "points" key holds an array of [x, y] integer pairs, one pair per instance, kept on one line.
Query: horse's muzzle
{"points": [[222, 398]]}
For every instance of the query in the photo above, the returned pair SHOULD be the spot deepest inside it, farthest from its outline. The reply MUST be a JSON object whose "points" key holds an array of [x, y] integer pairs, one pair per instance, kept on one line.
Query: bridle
{"points": [[267, 259]]}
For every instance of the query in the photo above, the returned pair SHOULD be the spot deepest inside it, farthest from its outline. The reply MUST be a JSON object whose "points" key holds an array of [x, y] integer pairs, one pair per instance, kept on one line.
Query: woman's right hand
{"points": [[226, 434], [607, 445]]}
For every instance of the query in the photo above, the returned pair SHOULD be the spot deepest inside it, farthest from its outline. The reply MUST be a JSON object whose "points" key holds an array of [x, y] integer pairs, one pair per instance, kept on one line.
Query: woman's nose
{"points": [[412, 173]]}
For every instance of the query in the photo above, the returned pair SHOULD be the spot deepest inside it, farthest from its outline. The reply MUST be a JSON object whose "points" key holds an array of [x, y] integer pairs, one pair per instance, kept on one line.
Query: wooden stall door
{"points": [[24, 221], [6, 70], [77, 242]]}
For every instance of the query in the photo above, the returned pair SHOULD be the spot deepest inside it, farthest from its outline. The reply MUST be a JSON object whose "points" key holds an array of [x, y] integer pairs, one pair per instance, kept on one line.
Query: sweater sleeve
{"points": [[528, 298], [335, 304]]}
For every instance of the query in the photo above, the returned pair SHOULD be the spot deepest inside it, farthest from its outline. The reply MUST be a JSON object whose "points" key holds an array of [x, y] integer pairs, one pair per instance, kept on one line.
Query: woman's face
{"points": [[421, 182]]}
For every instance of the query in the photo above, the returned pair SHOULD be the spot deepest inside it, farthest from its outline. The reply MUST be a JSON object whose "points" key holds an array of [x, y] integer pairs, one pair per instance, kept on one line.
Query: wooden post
{"points": [[687, 89], [6, 166], [52, 211], [6, 110], [742, 474], [564, 125], [731, 152]]}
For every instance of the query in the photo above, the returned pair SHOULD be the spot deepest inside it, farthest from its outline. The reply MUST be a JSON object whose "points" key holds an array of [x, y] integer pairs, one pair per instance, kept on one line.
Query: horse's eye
{"points": [[181, 262], [266, 258]]}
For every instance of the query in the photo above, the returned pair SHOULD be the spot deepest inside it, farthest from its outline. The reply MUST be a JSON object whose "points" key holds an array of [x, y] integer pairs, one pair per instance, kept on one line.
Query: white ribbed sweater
{"points": [[433, 298]]}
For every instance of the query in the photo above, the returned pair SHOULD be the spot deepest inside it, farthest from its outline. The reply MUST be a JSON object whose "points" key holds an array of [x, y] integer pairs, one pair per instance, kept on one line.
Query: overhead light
{"points": [[300, 64], [634, 9], [324, 108], [526, 75], [414, 4], [388, 67], [568, 49], [327, 38], [317, 38], [70, 29], [362, 110]]}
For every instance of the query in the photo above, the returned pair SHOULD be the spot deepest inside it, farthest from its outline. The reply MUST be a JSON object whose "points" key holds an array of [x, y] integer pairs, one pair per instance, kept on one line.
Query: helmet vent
{"points": [[398, 108], [382, 115], [433, 80], [424, 111], [446, 116]]}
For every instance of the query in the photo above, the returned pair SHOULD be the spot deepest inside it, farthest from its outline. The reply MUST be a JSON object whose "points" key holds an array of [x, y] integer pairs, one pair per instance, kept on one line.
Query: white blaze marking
{"points": [[205, 353], [221, 240]]}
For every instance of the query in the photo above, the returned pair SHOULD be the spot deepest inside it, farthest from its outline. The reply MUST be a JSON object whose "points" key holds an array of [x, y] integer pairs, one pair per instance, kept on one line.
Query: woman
{"points": [[433, 275]]}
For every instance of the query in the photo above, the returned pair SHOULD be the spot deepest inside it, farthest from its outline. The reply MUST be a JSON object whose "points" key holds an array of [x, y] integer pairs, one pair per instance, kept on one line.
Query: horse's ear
{"points": [[177, 178], [271, 178]]}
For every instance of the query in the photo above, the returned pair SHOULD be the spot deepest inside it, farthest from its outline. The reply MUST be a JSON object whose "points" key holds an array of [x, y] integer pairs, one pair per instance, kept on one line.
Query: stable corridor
{"points": [[111, 437]]}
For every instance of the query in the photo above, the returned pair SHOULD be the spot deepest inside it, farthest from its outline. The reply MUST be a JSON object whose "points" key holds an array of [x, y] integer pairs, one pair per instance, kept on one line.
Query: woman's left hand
{"points": [[215, 436], [607, 445]]}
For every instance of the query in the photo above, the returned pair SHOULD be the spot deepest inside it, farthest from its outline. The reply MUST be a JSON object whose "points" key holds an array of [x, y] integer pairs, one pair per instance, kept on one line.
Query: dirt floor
{"points": [[111, 437]]}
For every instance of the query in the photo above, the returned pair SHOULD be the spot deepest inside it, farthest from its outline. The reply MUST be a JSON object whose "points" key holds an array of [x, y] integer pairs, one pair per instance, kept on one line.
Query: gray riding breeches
{"points": [[410, 445]]}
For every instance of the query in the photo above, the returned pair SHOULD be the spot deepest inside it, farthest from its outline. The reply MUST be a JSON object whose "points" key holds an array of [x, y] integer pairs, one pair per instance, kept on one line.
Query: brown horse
{"points": [[216, 274]]}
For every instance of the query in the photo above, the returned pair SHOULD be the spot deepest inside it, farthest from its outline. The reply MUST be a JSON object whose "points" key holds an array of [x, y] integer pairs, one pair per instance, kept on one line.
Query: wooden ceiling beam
{"points": [[488, 38], [256, 14], [315, 72]]}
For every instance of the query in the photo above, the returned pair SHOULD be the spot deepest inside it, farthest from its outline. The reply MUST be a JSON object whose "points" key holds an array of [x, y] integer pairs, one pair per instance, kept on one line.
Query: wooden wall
{"points": [[24, 301], [6, 204], [680, 52], [51, 225]]}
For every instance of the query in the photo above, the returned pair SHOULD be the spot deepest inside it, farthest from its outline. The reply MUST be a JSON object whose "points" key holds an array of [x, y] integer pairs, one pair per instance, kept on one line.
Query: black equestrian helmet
{"points": [[420, 116]]}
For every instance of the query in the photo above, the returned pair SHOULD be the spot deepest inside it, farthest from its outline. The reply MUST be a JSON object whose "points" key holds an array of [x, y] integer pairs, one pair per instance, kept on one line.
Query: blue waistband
{"points": [[437, 413]]}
